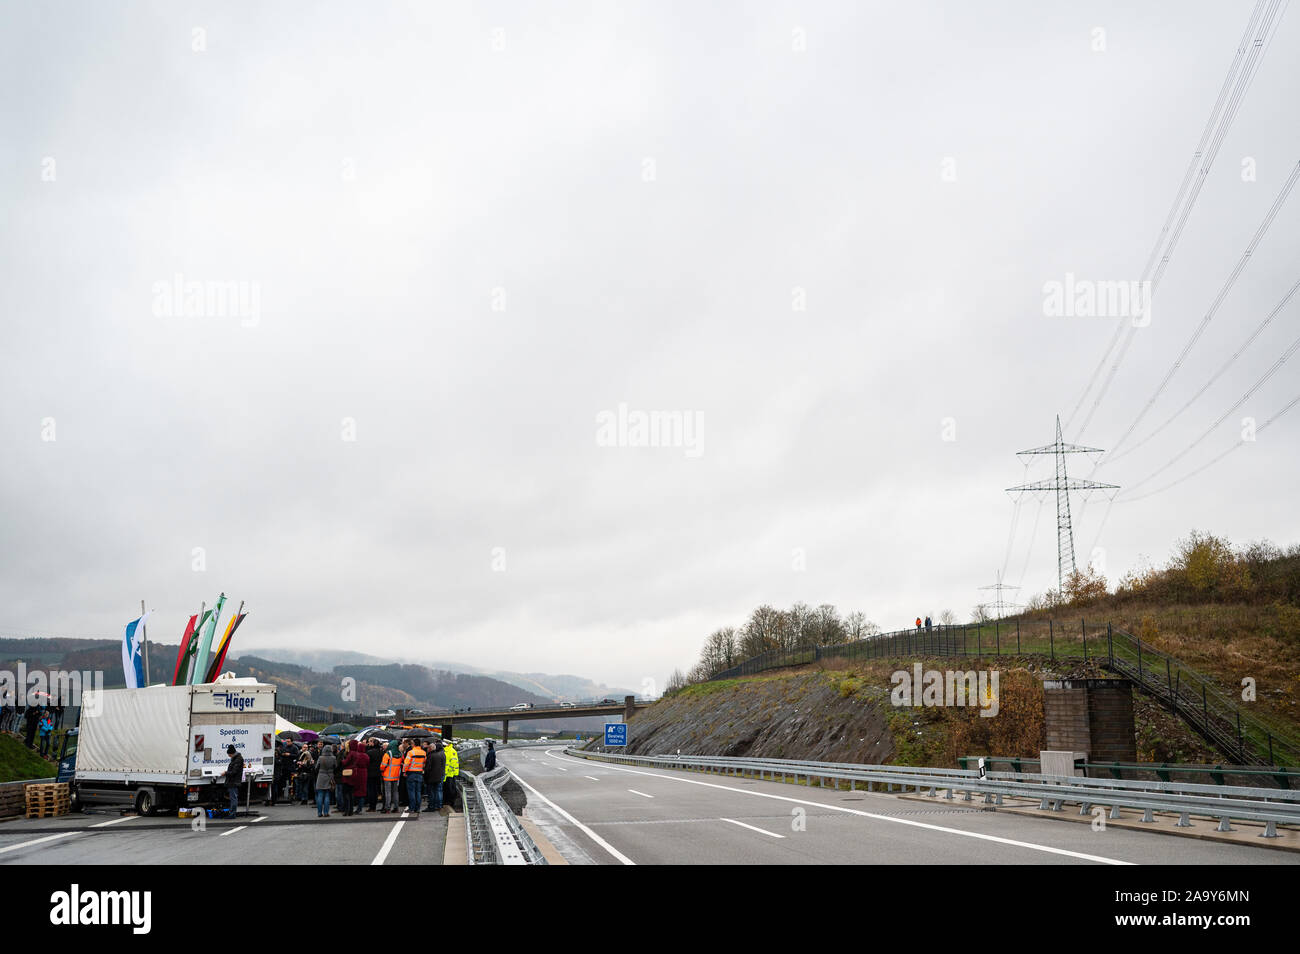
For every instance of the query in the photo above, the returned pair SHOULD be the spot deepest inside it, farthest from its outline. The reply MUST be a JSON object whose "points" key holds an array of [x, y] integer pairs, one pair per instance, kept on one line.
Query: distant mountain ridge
{"points": [[548, 686], [376, 683]]}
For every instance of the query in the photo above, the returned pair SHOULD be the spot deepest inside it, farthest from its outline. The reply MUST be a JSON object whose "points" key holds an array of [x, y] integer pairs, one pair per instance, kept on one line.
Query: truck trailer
{"points": [[164, 747]]}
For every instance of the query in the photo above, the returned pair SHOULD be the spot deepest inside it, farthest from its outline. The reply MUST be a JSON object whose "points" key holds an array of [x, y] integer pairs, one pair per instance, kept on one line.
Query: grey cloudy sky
{"points": [[472, 228]]}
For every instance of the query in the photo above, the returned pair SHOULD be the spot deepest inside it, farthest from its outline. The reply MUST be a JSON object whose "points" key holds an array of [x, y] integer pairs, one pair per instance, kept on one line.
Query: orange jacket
{"points": [[414, 762], [390, 769]]}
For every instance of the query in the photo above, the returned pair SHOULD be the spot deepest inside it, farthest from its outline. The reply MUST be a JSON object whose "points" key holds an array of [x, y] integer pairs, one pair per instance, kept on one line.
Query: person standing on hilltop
{"points": [[918, 622]]}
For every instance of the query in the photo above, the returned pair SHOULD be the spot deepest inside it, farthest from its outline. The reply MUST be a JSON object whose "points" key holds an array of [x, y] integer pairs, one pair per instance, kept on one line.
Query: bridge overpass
{"points": [[449, 720]]}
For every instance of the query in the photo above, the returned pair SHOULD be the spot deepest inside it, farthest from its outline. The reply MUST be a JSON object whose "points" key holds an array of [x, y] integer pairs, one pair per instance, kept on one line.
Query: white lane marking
{"points": [[388, 843], [770, 834], [855, 811], [642, 794], [622, 858], [115, 821], [38, 841], [260, 818], [592, 777], [232, 831]]}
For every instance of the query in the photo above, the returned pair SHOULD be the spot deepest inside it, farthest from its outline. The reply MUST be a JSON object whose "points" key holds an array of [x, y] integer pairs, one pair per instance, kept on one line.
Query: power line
{"points": [[1217, 374], [1214, 460], [1214, 306], [1273, 369], [1221, 118]]}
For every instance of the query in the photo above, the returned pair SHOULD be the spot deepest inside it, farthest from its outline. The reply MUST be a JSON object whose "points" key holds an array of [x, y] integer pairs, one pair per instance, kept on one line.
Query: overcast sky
{"points": [[467, 233]]}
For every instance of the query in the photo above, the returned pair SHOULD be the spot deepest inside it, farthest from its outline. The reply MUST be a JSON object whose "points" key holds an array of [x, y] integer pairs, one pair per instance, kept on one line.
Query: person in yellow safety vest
{"points": [[449, 783], [390, 770], [413, 766]]}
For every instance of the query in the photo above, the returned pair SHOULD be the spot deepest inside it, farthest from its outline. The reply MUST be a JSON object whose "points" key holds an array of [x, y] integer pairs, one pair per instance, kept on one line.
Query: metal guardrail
{"points": [[1270, 806], [1162, 771], [493, 835]]}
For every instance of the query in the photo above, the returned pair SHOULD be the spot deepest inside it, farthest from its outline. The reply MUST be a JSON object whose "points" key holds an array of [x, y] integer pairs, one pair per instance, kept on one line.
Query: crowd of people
{"points": [[33, 723], [371, 775]]}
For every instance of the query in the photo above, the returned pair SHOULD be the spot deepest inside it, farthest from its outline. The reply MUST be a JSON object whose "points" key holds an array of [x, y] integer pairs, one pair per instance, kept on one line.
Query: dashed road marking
{"points": [[761, 831]]}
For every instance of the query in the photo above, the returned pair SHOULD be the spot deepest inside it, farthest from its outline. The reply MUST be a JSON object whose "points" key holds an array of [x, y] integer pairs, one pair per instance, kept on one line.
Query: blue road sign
{"points": [[616, 733]]}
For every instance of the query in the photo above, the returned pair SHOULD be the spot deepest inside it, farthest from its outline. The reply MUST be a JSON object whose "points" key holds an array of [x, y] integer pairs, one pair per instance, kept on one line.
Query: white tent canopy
{"points": [[284, 725]]}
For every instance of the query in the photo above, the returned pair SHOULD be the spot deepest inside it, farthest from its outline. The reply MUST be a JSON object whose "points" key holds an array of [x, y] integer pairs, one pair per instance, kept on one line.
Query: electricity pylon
{"points": [[1062, 483], [1000, 605]]}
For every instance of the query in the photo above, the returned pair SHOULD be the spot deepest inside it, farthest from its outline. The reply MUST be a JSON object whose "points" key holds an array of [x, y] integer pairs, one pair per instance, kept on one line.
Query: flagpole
{"points": [[189, 665], [145, 628]]}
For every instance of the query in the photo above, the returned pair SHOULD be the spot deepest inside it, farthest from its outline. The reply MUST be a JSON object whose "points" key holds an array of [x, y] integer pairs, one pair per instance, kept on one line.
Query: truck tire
{"points": [[145, 803]]}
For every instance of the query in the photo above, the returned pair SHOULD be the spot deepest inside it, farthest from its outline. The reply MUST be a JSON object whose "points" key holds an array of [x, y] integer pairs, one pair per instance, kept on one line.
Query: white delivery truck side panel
{"points": [[134, 732], [239, 714]]}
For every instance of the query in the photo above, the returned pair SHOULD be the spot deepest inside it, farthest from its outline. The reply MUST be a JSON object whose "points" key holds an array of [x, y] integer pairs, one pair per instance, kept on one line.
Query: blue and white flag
{"points": [[132, 655]]}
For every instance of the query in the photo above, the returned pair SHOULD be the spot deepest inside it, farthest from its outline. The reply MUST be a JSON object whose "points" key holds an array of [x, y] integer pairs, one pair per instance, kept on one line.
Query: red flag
{"points": [[185, 642]]}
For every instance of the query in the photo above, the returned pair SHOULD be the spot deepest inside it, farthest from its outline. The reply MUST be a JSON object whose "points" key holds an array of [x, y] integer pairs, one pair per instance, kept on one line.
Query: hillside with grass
{"points": [[1232, 613], [1228, 615], [19, 762], [843, 711]]}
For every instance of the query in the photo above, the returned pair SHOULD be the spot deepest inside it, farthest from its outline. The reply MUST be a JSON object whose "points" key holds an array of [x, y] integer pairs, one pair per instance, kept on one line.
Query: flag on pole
{"points": [[132, 660], [182, 652], [191, 649], [219, 658], [200, 667]]}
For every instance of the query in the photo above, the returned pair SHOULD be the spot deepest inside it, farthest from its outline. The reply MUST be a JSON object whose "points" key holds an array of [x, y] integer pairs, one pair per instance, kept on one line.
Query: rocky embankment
{"points": [[804, 715]]}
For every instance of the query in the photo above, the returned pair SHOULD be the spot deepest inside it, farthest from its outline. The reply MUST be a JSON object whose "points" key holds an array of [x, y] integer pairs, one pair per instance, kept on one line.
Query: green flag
{"points": [[200, 667], [190, 651]]}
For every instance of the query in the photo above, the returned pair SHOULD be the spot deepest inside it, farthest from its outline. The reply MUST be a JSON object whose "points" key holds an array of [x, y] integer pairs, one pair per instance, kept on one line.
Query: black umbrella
{"points": [[417, 734], [339, 728], [289, 734]]}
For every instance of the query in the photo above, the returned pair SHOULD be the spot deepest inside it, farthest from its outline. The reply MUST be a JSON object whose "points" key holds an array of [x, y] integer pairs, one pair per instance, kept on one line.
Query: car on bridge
{"points": [[566, 705], [521, 706]]}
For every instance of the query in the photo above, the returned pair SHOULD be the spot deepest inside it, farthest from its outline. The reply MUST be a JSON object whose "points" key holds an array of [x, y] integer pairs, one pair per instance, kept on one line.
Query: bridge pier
{"points": [[505, 731], [629, 708]]}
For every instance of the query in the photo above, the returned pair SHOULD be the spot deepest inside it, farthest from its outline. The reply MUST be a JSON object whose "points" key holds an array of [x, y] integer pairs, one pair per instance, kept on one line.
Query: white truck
{"points": [[164, 747]]}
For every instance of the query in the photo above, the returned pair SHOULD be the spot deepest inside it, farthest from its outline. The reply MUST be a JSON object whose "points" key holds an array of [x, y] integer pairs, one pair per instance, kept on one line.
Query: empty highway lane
{"points": [[598, 813]]}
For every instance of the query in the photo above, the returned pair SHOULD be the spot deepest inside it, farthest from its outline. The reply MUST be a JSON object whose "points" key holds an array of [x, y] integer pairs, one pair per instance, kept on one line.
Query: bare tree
{"points": [[828, 628], [761, 632], [802, 626], [948, 617]]}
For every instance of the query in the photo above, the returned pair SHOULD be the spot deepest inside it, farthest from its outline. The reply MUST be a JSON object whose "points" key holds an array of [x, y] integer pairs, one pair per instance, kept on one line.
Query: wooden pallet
{"points": [[47, 799]]}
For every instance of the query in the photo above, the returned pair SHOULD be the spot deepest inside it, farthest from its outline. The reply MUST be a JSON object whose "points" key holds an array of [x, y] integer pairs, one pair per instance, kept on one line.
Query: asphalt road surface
{"points": [[598, 813], [285, 834]]}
